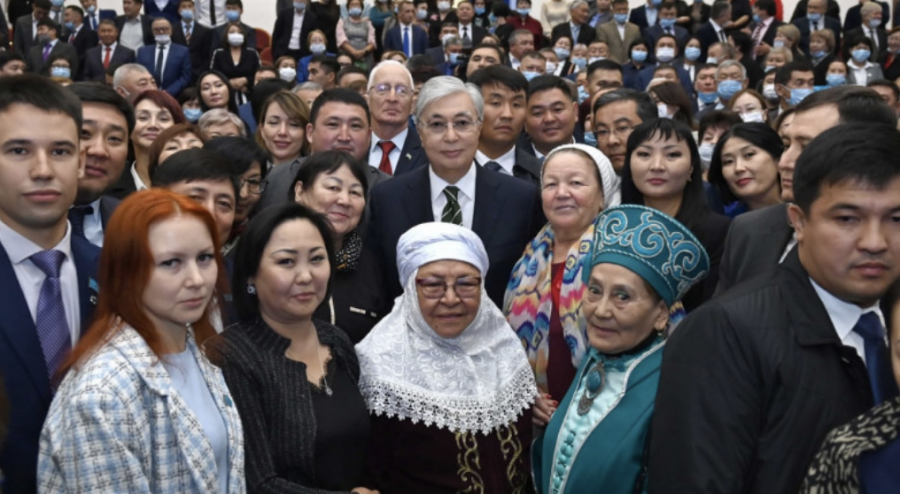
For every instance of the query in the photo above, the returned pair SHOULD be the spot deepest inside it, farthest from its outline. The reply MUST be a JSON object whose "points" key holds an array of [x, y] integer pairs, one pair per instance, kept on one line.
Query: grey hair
{"points": [[731, 63], [219, 116], [867, 9], [577, 3], [440, 87], [727, 50], [389, 63], [452, 40], [308, 86], [125, 71]]}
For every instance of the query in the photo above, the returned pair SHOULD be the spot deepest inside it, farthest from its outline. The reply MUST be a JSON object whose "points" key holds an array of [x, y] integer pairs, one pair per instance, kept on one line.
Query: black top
{"points": [[246, 66], [357, 298], [327, 16]]}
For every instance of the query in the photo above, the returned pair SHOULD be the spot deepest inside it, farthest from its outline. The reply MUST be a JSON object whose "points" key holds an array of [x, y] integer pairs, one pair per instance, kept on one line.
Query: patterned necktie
{"points": [[386, 148], [76, 218], [493, 166], [878, 360], [452, 213], [52, 328]]}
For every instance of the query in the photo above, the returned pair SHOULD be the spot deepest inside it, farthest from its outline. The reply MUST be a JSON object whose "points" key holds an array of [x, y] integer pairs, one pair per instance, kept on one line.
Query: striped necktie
{"points": [[452, 213]]}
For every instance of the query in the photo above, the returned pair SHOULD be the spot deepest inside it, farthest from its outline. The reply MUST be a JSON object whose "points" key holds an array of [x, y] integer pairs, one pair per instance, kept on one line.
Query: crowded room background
{"points": [[444, 246]]}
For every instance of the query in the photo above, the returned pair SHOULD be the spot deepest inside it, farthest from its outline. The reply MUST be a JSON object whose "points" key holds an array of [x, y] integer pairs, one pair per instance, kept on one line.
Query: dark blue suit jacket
{"points": [[101, 14], [639, 17], [393, 40], [651, 34], [803, 25], [176, 74], [93, 61], [23, 369], [412, 155], [646, 75], [706, 34], [507, 216], [170, 11]]}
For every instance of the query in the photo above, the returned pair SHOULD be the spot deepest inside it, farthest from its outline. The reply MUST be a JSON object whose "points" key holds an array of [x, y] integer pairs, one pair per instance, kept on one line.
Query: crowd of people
{"points": [[426, 247]]}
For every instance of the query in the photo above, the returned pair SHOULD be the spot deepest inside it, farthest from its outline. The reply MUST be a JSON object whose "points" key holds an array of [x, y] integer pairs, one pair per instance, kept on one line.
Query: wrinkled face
{"points": [[388, 107], [817, 43], [580, 14], [751, 172], [183, 277], [733, 73], [521, 46], [337, 195], [815, 7], [894, 42], [504, 114], [340, 127], [449, 129], [448, 315], [217, 197], [805, 127], [309, 95], [214, 91], [482, 57], [107, 34], [187, 140], [150, 120], [619, 310], [661, 168], [223, 129], [282, 134], [598, 49], [249, 193], [571, 194], [551, 117], [104, 139], [136, 83], [706, 81], [162, 26], [613, 124], [564, 43], [292, 279]]}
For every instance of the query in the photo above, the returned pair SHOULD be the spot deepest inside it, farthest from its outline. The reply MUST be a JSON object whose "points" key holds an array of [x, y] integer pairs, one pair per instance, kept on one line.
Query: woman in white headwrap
{"points": [[546, 288], [445, 379]]}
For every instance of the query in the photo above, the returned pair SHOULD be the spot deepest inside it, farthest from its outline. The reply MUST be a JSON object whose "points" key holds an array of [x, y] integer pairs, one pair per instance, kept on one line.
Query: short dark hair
{"points": [[670, 36], [767, 6], [783, 74], [547, 83], [107, 22], [262, 91], [667, 4], [603, 65], [41, 93], [328, 162], [194, 164], [885, 83], [328, 63], [10, 56], [350, 69], [500, 9], [239, 3], [646, 109], [96, 92], [500, 56], [338, 95], [78, 10], [500, 74], [638, 42], [42, 4], [849, 43], [48, 23], [718, 8], [871, 148], [718, 119], [758, 134], [240, 153], [743, 43], [253, 243], [615, 2], [854, 105]]}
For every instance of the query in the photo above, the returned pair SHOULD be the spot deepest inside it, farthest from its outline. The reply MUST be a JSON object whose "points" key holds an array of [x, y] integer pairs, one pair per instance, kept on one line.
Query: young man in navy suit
{"points": [[93, 14], [416, 38], [169, 63], [45, 272]]}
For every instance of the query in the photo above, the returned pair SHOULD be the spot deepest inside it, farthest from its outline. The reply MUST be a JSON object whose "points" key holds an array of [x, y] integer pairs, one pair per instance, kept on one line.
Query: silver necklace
{"points": [[325, 385]]}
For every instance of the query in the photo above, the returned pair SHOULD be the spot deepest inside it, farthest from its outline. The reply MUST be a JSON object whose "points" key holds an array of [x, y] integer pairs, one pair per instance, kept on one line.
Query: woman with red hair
{"points": [[142, 409]]}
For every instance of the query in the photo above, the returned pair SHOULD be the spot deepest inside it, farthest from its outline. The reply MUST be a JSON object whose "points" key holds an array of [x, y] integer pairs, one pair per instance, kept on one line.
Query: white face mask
{"points": [[235, 39], [443, 6], [769, 92], [663, 110], [163, 39], [288, 74], [752, 117], [550, 67], [706, 153], [665, 54]]}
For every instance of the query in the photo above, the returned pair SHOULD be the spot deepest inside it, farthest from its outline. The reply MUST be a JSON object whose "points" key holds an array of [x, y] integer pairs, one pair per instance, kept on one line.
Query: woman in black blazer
{"points": [[237, 62]]}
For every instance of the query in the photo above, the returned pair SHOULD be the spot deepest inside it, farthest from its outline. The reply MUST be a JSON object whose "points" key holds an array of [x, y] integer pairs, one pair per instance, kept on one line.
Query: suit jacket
{"points": [[170, 11], [706, 34], [23, 35], [872, 73], [638, 17], [93, 61], [22, 365], [586, 34], [200, 45], [83, 41], [177, 72], [108, 205], [618, 47], [652, 33], [803, 25], [125, 186], [218, 34], [876, 51], [853, 19], [146, 23], [646, 75], [284, 25], [101, 14], [393, 40], [436, 55], [527, 167], [769, 37], [892, 71], [412, 156], [34, 62], [122, 406], [755, 243], [476, 34], [18, 8], [833, 10], [507, 216], [748, 377]]}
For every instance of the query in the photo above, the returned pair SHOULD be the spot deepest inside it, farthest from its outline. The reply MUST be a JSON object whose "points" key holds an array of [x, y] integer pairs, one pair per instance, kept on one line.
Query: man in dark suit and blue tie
{"points": [[405, 36], [169, 63], [93, 14], [395, 146], [45, 271], [504, 211]]}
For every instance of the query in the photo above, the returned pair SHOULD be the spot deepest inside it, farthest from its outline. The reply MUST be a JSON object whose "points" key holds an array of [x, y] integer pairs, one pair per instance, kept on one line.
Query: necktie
{"points": [[874, 38], [71, 38], [466, 39], [576, 30], [452, 213], [94, 22], [212, 12], [52, 328], [386, 148], [722, 37], [76, 218], [407, 46], [106, 58], [159, 65], [878, 361], [47, 49], [187, 33], [493, 166]]}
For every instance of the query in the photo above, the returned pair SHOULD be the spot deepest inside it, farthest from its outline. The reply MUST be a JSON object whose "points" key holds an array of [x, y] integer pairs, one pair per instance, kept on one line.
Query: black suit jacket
{"points": [[108, 205], [412, 155], [23, 35], [876, 51], [652, 33], [93, 61], [83, 41], [34, 62], [891, 72], [437, 56], [218, 34], [639, 16], [853, 19], [755, 243], [829, 23], [281, 35], [200, 45], [706, 34], [125, 186], [507, 216], [146, 23], [586, 34]]}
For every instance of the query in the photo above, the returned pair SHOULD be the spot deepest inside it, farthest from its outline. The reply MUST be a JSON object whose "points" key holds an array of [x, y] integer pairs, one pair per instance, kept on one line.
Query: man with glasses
{"points": [[169, 63], [504, 211], [395, 146], [616, 113]]}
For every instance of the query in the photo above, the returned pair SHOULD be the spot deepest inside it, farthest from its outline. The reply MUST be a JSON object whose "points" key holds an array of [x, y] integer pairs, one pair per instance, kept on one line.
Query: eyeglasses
{"points": [[384, 89], [433, 288], [256, 186], [622, 132], [460, 126]]}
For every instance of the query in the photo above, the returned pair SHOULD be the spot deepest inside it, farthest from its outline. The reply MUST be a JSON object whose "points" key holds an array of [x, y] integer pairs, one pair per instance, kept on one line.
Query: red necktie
{"points": [[106, 58], [890, 60], [386, 148]]}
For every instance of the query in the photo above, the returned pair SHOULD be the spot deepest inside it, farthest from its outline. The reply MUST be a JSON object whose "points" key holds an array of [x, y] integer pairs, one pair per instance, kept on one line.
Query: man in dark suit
{"points": [[284, 43], [854, 16], [666, 25], [504, 211], [26, 26], [816, 19], [551, 116], [169, 63], [580, 14], [197, 37], [646, 15], [79, 35], [763, 33], [871, 15], [109, 53], [93, 14], [45, 271], [759, 240], [666, 53], [470, 34], [436, 53], [713, 31], [405, 36], [4, 30], [234, 9], [833, 10], [169, 10], [505, 93], [395, 147], [49, 46], [774, 364], [135, 30]]}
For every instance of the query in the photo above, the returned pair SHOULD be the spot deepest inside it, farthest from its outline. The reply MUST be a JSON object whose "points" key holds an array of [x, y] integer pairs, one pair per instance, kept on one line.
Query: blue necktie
{"points": [[878, 360], [493, 166], [406, 43], [76, 218], [52, 327]]}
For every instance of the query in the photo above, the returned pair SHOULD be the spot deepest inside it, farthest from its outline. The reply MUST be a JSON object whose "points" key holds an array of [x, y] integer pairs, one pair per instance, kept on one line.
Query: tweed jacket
{"points": [[118, 425]]}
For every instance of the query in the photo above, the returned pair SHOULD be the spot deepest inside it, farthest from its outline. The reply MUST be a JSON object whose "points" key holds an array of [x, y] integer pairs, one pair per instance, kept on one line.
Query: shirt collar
{"points": [[112, 46], [715, 26], [19, 248], [507, 160], [843, 315], [399, 140], [466, 184], [541, 156], [139, 184]]}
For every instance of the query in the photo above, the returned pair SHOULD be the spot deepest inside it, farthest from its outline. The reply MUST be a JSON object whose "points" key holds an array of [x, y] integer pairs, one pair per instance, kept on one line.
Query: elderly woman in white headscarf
{"points": [[546, 287], [446, 381]]}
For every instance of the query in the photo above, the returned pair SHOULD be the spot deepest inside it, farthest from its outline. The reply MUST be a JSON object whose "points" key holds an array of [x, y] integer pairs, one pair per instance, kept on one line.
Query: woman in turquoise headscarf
{"points": [[641, 263]]}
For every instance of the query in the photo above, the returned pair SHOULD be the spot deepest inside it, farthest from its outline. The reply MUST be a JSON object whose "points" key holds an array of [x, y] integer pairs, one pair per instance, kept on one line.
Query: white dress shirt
{"points": [[506, 161], [93, 225], [202, 8], [514, 62], [621, 29], [31, 278], [139, 184], [294, 44], [375, 152], [859, 73], [844, 317], [466, 196], [132, 35], [652, 15], [468, 30]]}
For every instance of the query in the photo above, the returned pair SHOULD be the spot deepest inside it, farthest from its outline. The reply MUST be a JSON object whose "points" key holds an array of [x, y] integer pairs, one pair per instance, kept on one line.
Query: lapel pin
{"points": [[408, 156], [93, 300]]}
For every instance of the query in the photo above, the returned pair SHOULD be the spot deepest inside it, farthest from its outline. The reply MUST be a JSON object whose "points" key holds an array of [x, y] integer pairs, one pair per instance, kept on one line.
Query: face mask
{"points": [[529, 75], [163, 39], [861, 55], [638, 56], [798, 95], [582, 94], [70, 25], [595, 59], [874, 23], [235, 39], [421, 14], [621, 18], [590, 139], [665, 54], [752, 117], [492, 18], [663, 110], [706, 152], [712, 60], [479, 10], [667, 23], [778, 43], [43, 39], [835, 80], [769, 93], [692, 53], [60, 72], [656, 3], [454, 58], [579, 62], [317, 48], [727, 89], [814, 17], [756, 18], [234, 15], [57, 3], [187, 15], [523, 12], [193, 114], [550, 68], [818, 54], [91, 9], [288, 74], [770, 68], [354, 11], [445, 37], [562, 53], [707, 98], [443, 6]]}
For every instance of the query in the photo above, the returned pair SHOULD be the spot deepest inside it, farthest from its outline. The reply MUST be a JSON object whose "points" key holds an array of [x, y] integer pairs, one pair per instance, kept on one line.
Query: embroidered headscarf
{"points": [[475, 382]]}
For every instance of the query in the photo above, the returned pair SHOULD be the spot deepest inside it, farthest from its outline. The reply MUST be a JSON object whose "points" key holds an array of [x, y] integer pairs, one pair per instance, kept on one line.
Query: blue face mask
{"points": [[60, 72], [523, 12], [798, 95], [234, 15], [193, 114], [756, 18], [860, 55], [667, 23], [656, 3], [818, 54], [454, 58], [707, 98], [874, 23], [638, 56], [561, 53], [354, 11], [778, 43], [529, 75], [692, 53], [590, 139], [580, 62], [583, 94], [491, 18], [91, 9], [187, 15], [57, 3], [621, 18], [835, 80], [726, 89], [70, 25], [814, 17], [479, 10]]}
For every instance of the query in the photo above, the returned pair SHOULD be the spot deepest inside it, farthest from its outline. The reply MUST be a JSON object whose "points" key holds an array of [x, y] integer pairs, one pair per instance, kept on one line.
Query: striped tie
{"points": [[452, 213]]}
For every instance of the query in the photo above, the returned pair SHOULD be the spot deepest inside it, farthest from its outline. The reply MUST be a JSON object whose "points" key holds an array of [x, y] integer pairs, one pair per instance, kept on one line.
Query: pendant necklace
{"points": [[596, 379], [325, 385]]}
